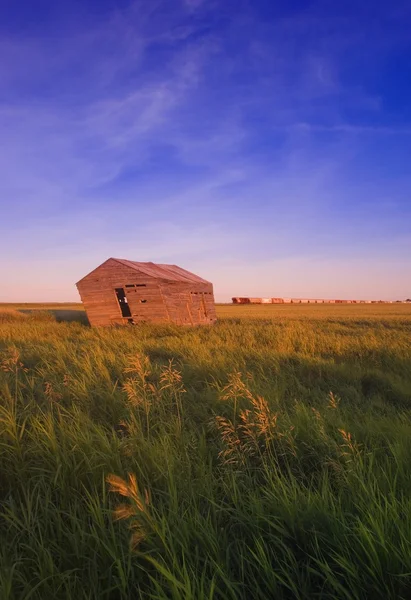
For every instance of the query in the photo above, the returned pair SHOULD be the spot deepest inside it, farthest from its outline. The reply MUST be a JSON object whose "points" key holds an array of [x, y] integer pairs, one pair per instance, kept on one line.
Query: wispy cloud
{"points": [[176, 130], [348, 128]]}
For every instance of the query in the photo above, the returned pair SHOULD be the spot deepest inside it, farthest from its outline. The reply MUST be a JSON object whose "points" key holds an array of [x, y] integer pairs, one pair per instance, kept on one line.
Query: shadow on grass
{"points": [[71, 315], [64, 315], [377, 385]]}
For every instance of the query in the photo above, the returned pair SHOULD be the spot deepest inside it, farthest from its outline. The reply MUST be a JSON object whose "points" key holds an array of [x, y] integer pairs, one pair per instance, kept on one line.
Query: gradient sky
{"points": [[264, 145]]}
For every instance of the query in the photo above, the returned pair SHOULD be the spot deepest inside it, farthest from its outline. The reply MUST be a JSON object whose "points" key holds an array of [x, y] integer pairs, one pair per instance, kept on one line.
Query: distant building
{"points": [[247, 300]]}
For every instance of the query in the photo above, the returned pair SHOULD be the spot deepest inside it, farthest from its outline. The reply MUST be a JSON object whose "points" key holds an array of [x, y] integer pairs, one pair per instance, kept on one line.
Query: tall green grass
{"points": [[260, 458]]}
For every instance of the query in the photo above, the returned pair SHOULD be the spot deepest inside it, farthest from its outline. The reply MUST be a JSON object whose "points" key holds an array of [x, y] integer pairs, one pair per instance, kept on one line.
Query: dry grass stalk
{"points": [[136, 510], [257, 426], [12, 362], [171, 382], [231, 455], [235, 388], [349, 449], [266, 421], [320, 422], [139, 365], [50, 393], [139, 390], [333, 401], [133, 392], [171, 378]]}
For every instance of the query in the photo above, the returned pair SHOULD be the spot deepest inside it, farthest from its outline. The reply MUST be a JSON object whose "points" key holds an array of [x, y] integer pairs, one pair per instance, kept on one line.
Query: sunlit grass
{"points": [[265, 457]]}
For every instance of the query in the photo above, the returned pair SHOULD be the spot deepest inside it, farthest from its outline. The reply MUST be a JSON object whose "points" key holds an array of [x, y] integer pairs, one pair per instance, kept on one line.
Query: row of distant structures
{"points": [[243, 300], [126, 292]]}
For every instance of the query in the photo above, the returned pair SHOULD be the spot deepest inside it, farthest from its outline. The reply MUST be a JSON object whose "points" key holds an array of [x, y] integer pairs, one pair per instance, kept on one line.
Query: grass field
{"points": [[265, 457]]}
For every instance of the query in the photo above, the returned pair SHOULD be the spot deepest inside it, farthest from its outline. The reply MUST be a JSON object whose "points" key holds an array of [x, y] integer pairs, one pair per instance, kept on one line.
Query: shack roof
{"points": [[159, 271]]}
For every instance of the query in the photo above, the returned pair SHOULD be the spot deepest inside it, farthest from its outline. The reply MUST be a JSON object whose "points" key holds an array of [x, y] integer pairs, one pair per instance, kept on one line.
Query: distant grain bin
{"points": [[121, 292]]}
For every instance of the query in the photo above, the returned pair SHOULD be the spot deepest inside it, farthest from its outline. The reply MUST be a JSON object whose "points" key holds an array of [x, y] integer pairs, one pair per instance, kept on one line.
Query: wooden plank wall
{"points": [[149, 299], [146, 303], [190, 303], [97, 292]]}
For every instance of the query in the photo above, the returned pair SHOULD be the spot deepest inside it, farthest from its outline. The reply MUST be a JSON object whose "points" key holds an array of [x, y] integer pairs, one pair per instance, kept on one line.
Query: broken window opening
{"points": [[143, 301], [122, 302]]}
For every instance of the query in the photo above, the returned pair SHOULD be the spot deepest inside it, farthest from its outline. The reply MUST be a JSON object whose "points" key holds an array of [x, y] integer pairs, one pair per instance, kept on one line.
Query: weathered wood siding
{"points": [[189, 303], [97, 292], [148, 298]]}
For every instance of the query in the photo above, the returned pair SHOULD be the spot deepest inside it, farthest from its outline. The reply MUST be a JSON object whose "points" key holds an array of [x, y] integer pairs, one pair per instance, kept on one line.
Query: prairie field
{"points": [[265, 457]]}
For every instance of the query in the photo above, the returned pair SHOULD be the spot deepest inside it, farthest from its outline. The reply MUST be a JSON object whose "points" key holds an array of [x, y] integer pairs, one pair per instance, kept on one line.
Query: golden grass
{"points": [[264, 457]]}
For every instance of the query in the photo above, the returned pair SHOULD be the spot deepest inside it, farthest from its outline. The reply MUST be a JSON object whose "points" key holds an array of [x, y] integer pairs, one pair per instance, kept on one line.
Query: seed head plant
{"points": [[135, 510]]}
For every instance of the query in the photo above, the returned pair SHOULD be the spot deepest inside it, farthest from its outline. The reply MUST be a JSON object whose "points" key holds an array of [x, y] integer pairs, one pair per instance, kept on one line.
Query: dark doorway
{"points": [[122, 302]]}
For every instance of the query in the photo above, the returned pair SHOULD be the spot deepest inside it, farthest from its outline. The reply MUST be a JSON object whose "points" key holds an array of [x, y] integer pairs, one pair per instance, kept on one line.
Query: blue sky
{"points": [[265, 145]]}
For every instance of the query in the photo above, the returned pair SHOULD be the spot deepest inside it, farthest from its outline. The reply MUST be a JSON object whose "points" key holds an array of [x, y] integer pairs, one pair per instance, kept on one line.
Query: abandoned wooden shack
{"points": [[122, 292]]}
